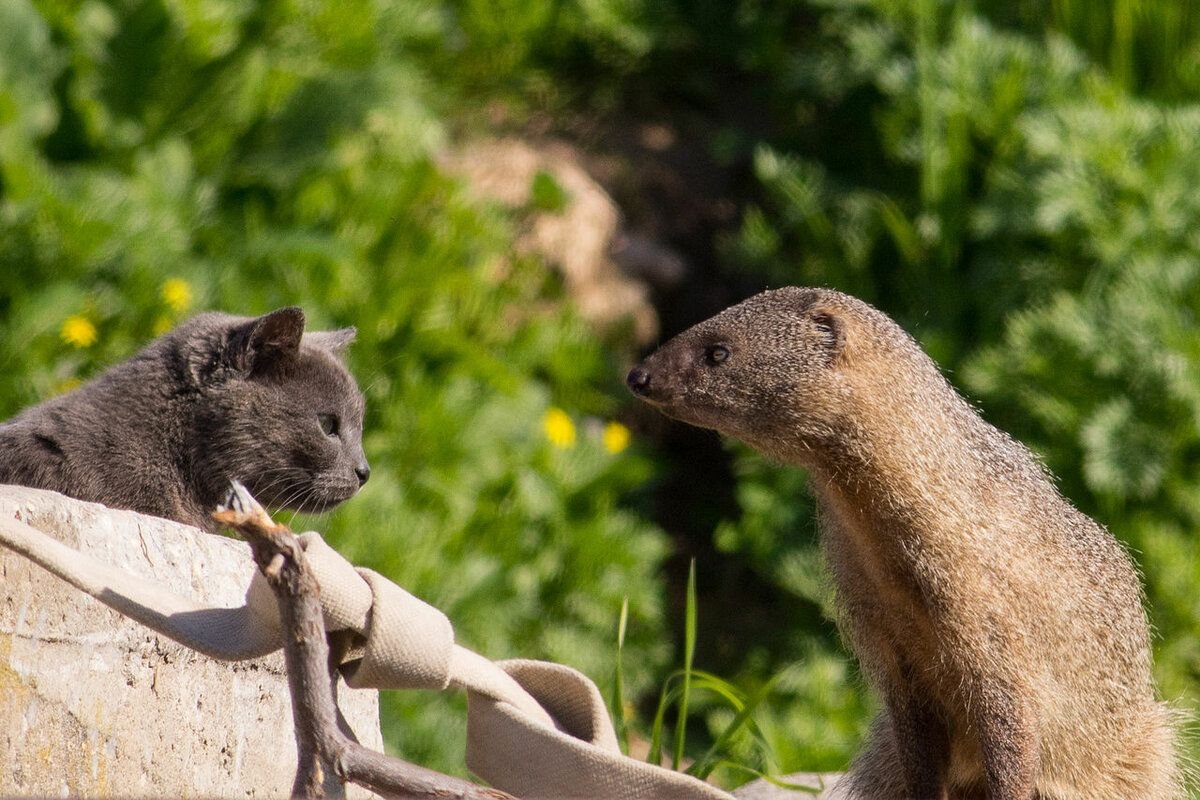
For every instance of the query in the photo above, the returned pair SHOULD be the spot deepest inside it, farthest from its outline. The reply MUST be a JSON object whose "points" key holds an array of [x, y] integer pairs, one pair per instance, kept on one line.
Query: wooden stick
{"points": [[321, 746]]}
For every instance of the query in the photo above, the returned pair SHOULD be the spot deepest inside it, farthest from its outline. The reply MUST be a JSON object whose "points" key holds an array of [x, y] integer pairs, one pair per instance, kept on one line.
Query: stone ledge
{"points": [[93, 704]]}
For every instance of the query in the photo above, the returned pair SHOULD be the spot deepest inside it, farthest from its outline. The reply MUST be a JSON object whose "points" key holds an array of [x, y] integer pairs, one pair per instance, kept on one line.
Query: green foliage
{"points": [[1014, 182], [1011, 181], [1146, 46], [546, 194], [162, 157], [1033, 224], [1074, 203], [746, 737], [1103, 377]]}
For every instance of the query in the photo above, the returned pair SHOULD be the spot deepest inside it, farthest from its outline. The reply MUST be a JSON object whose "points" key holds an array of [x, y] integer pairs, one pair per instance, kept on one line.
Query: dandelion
{"points": [[559, 428], [177, 294], [615, 437], [78, 331]]}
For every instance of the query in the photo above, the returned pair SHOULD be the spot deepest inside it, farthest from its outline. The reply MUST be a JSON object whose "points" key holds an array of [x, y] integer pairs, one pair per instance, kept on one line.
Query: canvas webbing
{"points": [[534, 729]]}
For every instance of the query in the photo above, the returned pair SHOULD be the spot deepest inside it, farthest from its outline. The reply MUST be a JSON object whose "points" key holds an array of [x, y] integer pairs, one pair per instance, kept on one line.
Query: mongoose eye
{"points": [[330, 425], [716, 354]]}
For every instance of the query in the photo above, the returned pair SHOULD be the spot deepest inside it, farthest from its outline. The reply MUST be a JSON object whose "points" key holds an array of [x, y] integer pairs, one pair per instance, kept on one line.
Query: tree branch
{"points": [[322, 747]]}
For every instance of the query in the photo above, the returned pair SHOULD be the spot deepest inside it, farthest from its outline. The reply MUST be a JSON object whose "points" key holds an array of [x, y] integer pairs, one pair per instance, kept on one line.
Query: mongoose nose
{"points": [[363, 471], [638, 381]]}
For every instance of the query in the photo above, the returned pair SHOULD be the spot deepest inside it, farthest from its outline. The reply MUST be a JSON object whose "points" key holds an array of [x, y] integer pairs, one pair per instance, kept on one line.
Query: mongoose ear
{"points": [[269, 340], [333, 341], [833, 328]]}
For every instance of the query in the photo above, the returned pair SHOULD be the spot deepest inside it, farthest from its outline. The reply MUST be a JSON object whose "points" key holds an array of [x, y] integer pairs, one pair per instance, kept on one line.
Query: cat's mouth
{"points": [[320, 499], [317, 497], [318, 505]]}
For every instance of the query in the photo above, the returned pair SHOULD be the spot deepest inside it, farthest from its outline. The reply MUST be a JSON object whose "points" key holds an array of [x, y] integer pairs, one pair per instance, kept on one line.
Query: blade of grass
{"points": [[671, 690], [776, 781], [718, 686], [617, 701], [665, 697], [689, 651], [704, 766]]}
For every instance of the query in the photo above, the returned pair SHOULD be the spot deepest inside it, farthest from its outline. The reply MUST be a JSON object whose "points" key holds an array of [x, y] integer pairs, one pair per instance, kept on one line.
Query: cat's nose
{"points": [[363, 471]]}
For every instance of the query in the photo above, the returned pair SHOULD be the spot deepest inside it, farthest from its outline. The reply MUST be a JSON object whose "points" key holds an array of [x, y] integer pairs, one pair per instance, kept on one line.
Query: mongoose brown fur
{"points": [[1004, 629]]}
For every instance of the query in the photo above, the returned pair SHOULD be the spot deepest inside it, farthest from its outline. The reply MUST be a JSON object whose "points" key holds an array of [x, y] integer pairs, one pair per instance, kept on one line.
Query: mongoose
{"points": [[1003, 629], [218, 398]]}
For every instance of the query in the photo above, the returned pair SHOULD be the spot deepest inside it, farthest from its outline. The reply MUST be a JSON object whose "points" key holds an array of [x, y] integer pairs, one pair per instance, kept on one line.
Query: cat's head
{"points": [[276, 409]]}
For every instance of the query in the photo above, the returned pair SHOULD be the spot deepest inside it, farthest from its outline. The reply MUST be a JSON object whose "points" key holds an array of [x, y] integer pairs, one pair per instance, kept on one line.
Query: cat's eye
{"points": [[329, 424], [716, 354]]}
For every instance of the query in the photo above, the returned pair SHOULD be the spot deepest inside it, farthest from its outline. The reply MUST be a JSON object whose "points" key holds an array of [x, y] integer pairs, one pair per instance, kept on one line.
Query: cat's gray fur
{"points": [[218, 398]]}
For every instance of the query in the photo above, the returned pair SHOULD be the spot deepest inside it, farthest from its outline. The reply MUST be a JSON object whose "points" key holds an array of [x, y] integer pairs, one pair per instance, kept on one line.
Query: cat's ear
{"points": [[333, 341], [269, 340]]}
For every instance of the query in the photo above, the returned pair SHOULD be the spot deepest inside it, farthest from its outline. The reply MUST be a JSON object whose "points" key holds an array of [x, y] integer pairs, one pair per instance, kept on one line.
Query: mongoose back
{"points": [[1003, 629], [220, 397]]}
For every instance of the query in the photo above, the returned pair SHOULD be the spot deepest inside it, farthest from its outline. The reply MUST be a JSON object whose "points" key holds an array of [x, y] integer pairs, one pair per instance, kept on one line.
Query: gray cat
{"points": [[220, 397]]}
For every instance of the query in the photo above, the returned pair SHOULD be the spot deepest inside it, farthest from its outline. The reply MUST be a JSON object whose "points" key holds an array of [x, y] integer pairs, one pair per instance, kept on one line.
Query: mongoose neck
{"points": [[926, 454]]}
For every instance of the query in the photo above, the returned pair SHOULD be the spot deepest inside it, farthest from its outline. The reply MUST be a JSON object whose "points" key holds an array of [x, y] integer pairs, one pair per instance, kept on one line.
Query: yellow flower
{"points": [[616, 437], [560, 430], [177, 294], [78, 330], [162, 324]]}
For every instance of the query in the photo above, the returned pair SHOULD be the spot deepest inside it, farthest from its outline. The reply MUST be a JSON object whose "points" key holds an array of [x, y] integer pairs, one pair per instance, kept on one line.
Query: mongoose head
{"points": [[771, 371]]}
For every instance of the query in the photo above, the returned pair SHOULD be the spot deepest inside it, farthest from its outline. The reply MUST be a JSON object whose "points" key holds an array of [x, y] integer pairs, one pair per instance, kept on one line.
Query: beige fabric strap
{"points": [[502, 747], [534, 729]]}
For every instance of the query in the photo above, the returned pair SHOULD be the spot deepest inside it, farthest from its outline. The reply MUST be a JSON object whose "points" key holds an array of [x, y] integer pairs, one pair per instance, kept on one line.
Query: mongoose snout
{"points": [[657, 379], [638, 381], [1003, 629]]}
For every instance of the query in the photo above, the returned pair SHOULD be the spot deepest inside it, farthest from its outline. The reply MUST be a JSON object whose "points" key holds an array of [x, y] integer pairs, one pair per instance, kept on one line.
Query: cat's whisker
{"points": [[290, 489], [282, 483], [301, 490], [281, 486]]}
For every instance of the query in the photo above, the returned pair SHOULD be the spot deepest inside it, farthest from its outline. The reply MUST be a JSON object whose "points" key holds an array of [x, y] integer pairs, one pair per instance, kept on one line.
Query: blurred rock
{"points": [[95, 705], [645, 259], [604, 268]]}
